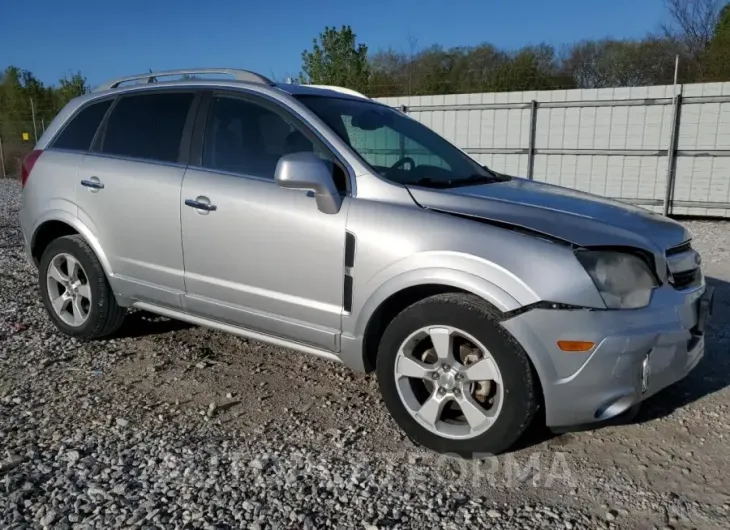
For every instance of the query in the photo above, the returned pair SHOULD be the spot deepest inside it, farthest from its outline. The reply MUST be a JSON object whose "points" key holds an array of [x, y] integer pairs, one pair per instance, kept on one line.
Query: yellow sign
{"points": [[26, 137]]}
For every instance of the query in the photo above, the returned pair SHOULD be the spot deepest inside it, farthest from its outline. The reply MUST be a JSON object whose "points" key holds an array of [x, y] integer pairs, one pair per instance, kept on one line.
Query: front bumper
{"points": [[638, 352]]}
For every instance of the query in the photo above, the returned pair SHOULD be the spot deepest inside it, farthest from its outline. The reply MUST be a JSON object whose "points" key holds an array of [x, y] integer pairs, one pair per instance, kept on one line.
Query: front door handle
{"points": [[200, 205], [94, 183]]}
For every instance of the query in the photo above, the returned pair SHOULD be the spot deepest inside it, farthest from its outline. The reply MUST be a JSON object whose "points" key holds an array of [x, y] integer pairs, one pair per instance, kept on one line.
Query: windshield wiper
{"points": [[471, 180], [428, 182], [476, 179]]}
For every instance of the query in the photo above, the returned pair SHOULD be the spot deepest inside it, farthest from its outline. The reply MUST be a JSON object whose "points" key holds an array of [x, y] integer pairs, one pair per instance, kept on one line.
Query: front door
{"points": [[257, 255]]}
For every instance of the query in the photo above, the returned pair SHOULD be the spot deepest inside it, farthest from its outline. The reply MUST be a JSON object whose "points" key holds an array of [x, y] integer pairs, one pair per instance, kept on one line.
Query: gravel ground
{"points": [[173, 426]]}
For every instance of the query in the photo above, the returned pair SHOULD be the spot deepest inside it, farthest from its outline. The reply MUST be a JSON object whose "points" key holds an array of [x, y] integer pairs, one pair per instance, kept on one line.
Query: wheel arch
{"points": [[408, 288], [58, 224]]}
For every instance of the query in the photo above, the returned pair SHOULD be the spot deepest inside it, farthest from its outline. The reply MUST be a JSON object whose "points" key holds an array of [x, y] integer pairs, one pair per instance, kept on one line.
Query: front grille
{"points": [[684, 279], [684, 247], [677, 258]]}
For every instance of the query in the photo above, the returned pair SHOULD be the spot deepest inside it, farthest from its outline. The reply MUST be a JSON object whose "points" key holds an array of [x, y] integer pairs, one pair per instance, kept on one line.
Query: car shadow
{"points": [[142, 324], [711, 375]]}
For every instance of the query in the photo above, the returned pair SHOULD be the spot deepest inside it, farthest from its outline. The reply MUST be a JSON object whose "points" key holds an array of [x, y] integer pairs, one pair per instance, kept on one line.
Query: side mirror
{"points": [[306, 171]]}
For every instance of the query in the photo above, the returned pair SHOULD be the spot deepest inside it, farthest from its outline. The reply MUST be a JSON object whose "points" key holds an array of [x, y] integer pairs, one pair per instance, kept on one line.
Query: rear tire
{"points": [[461, 326], [75, 290]]}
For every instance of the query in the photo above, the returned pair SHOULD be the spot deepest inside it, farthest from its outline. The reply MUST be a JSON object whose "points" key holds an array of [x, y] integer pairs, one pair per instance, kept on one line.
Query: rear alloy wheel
{"points": [[75, 291], [68, 289], [453, 379]]}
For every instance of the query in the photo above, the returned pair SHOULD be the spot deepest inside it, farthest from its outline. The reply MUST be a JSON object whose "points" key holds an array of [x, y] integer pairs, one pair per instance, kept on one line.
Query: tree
{"points": [[716, 60], [619, 63], [71, 87], [531, 68], [694, 22], [18, 88], [336, 60], [387, 74]]}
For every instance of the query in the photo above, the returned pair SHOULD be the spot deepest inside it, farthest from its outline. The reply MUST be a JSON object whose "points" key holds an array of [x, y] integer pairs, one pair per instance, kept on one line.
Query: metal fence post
{"points": [[2, 158], [401, 137], [32, 113], [672, 154], [531, 146]]}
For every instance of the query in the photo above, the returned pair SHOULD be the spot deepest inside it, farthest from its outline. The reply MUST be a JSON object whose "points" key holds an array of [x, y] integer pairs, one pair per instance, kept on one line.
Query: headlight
{"points": [[624, 280]]}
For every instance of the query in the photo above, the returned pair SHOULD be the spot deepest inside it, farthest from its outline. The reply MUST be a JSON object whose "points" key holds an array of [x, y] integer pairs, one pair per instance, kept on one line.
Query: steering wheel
{"points": [[404, 161]]}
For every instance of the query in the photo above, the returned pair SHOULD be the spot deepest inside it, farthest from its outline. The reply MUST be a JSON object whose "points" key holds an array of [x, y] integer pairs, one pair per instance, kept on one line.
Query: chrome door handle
{"points": [[200, 205], [93, 184]]}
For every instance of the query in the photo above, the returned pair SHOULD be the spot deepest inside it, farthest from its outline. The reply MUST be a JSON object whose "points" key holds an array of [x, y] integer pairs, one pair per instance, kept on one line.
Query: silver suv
{"points": [[316, 219]]}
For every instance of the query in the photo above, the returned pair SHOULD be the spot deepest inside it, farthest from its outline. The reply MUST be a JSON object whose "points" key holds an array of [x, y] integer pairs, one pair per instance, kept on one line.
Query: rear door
{"points": [[55, 174], [128, 191]]}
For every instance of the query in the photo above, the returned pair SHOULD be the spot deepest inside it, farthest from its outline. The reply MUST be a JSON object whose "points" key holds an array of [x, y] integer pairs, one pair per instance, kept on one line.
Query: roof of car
{"points": [[320, 90], [240, 78]]}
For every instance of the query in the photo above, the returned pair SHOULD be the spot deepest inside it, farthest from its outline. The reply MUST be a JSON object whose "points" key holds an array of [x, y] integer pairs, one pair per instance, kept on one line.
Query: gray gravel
{"points": [[172, 426]]}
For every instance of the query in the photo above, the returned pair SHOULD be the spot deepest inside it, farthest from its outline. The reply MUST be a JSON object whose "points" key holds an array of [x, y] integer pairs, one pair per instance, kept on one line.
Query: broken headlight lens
{"points": [[623, 280]]}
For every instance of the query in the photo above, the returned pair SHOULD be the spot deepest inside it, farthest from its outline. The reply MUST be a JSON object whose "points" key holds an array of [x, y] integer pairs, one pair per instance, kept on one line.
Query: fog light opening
{"points": [[614, 407]]}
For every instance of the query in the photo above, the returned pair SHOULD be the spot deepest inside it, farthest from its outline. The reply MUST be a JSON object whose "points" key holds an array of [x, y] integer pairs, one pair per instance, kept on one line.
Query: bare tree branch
{"points": [[694, 22]]}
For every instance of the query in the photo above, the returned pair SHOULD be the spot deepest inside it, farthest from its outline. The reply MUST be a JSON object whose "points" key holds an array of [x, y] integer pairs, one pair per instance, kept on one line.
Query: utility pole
{"points": [[32, 113]]}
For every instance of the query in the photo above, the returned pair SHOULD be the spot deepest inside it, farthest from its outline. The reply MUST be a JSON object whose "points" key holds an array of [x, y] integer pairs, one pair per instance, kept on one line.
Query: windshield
{"points": [[397, 147]]}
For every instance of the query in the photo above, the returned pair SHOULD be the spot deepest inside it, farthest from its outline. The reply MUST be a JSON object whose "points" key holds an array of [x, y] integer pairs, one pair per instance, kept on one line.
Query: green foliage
{"points": [[617, 63], [336, 59], [485, 68], [532, 68], [71, 87], [18, 88], [722, 28], [699, 34], [717, 55], [704, 56]]}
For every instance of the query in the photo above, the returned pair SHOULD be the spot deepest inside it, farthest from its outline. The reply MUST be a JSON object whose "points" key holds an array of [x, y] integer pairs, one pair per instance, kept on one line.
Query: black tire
{"points": [[105, 314], [475, 317]]}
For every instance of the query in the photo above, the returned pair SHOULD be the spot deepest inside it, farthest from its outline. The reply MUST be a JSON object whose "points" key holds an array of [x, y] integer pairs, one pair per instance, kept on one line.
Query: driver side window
{"points": [[384, 147], [248, 138]]}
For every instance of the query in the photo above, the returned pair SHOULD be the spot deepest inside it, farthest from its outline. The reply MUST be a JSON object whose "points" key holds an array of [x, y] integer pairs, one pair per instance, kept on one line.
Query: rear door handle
{"points": [[198, 205], [93, 183]]}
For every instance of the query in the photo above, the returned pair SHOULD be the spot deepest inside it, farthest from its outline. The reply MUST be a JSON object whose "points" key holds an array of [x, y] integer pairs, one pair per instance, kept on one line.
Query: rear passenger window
{"points": [[80, 131], [147, 126]]}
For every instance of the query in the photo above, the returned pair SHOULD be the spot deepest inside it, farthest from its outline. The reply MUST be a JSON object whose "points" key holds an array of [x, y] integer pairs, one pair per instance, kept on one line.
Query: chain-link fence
{"points": [[17, 138]]}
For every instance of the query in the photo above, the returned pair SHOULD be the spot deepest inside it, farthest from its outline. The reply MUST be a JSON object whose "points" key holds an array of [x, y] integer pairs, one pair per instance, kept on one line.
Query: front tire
{"points": [[453, 379], [75, 290]]}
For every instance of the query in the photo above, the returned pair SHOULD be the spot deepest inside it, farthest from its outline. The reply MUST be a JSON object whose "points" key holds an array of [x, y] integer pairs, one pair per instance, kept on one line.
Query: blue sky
{"points": [[104, 38]]}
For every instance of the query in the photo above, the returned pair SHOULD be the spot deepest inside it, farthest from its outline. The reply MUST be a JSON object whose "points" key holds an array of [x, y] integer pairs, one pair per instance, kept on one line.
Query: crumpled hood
{"points": [[574, 216]]}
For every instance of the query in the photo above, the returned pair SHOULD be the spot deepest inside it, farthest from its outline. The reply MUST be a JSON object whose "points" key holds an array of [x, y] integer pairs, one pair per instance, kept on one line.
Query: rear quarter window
{"points": [[78, 134]]}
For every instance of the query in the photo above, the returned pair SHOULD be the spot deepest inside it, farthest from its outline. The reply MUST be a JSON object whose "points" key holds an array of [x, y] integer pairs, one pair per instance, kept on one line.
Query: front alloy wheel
{"points": [[449, 382], [453, 378]]}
